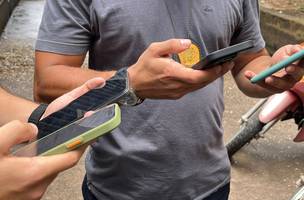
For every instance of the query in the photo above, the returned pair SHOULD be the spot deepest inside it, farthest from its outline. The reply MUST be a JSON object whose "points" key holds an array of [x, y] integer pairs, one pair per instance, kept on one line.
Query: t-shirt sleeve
{"points": [[249, 27], [65, 27]]}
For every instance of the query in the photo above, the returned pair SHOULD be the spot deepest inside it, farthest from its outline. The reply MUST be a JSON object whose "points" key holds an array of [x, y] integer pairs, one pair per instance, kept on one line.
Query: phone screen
{"points": [[67, 133], [92, 100]]}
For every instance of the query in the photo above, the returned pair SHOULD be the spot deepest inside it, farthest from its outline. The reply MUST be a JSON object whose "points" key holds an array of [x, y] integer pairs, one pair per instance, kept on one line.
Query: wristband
{"points": [[37, 114]]}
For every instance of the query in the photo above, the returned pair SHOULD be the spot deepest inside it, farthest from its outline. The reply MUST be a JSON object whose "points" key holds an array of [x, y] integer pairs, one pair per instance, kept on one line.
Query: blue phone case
{"points": [[277, 67]]}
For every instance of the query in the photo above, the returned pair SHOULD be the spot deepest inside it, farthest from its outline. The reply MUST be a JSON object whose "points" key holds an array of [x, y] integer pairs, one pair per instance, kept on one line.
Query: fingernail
{"points": [[185, 42], [249, 74], [34, 128]]}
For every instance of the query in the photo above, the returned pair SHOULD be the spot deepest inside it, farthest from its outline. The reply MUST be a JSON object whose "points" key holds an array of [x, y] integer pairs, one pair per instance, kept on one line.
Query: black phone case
{"points": [[223, 55]]}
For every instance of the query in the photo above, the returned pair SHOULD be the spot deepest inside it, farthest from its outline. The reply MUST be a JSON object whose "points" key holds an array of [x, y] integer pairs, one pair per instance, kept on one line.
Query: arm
{"points": [[13, 108], [56, 74], [59, 59], [40, 171], [155, 75]]}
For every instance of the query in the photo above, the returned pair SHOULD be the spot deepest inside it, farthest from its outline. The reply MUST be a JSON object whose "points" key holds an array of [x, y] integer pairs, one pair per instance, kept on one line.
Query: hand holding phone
{"points": [[277, 67], [74, 135]]}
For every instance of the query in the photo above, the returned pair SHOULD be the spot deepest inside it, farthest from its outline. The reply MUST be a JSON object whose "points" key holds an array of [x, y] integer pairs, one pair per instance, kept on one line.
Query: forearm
{"points": [[14, 108], [53, 81], [256, 65]]}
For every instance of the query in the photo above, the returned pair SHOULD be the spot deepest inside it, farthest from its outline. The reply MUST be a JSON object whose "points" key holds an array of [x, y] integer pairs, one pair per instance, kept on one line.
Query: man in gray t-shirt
{"points": [[164, 149]]}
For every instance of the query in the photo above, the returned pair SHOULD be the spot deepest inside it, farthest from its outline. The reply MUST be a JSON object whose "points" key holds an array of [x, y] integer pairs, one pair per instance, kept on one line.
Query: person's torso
{"points": [[164, 149], [123, 29]]}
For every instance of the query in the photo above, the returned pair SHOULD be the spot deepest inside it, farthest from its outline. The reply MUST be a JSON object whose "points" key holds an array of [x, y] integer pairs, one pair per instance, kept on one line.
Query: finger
{"points": [[187, 75], [36, 189], [282, 83], [285, 52], [293, 49], [88, 114], [55, 164], [172, 46], [269, 88], [217, 71], [89, 85], [249, 75], [14, 133], [208, 75], [296, 71], [67, 98]]}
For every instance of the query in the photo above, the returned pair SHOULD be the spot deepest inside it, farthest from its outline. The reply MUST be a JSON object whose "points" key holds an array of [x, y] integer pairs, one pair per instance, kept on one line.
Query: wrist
{"points": [[133, 79], [130, 98]]}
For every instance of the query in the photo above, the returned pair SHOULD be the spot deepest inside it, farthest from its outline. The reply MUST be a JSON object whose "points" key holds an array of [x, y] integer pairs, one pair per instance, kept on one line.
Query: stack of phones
{"points": [[74, 135], [68, 129]]}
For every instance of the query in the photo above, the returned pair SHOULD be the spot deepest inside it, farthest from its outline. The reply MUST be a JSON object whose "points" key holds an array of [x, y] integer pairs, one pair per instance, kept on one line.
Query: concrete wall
{"points": [[6, 8], [279, 29]]}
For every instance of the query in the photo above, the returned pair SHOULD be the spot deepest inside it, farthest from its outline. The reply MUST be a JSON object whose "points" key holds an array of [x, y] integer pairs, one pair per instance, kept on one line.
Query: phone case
{"points": [[32, 149], [223, 55], [277, 67], [87, 136], [113, 90]]}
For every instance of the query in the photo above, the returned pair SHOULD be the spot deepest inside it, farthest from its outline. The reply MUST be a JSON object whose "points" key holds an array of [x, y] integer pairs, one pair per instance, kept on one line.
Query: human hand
{"points": [[284, 79], [67, 98], [156, 75], [32, 176], [24, 178]]}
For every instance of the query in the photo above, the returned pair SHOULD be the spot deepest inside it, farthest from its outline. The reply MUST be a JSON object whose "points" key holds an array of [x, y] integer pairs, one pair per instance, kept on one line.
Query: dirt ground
{"points": [[290, 7], [264, 170]]}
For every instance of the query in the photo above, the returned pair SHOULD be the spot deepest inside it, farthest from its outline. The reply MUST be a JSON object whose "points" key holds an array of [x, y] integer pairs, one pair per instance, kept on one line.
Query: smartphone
{"points": [[74, 135], [223, 55], [277, 67], [113, 90]]}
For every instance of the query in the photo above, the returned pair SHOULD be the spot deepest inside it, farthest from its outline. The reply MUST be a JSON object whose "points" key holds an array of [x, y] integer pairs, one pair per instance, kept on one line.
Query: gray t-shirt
{"points": [[164, 149]]}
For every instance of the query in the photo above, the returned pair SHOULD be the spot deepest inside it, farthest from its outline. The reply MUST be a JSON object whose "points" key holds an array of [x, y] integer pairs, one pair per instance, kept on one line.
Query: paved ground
{"points": [[267, 169]]}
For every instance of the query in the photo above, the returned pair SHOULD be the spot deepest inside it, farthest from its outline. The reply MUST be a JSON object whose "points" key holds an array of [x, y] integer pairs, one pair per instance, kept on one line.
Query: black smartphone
{"points": [[113, 90], [223, 55]]}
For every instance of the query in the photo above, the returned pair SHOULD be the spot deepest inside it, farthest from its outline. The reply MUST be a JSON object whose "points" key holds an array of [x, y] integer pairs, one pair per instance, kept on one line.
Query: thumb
{"points": [[249, 74], [87, 86], [294, 49], [172, 46], [58, 163], [67, 98], [14, 133]]}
